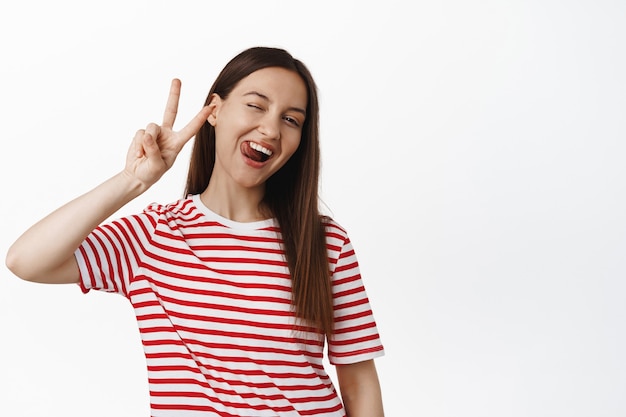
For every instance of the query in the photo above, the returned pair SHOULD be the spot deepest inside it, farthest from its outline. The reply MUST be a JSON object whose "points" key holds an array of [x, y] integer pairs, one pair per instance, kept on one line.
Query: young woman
{"points": [[237, 286]]}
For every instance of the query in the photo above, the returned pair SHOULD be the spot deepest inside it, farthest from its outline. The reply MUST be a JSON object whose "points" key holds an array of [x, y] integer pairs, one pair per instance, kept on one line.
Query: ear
{"points": [[215, 104]]}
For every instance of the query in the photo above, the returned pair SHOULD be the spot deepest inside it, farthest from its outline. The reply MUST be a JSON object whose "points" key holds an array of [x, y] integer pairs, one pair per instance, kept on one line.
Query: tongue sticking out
{"points": [[253, 153]]}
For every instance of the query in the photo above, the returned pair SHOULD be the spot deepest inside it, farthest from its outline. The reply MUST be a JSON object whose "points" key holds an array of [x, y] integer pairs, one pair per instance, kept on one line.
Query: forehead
{"points": [[279, 85]]}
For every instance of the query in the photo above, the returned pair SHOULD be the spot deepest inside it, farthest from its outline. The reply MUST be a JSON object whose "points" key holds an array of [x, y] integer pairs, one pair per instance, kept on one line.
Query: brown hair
{"points": [[291, 193]]}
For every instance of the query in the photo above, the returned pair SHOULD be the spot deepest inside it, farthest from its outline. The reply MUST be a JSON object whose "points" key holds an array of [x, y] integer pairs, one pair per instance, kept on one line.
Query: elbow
{"points": [[18, 265], [34, 268], [14, 264]]}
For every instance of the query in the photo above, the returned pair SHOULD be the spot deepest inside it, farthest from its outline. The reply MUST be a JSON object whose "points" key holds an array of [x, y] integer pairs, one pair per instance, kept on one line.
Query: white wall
{"points": [[474, 151]]}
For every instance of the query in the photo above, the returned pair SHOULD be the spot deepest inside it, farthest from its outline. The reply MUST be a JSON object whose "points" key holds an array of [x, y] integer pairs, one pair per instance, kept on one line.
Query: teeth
{"points": [[260, 148]]}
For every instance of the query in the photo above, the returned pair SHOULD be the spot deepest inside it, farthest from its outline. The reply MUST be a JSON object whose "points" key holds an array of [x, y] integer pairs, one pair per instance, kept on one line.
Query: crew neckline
{"points": [[255, 225]]}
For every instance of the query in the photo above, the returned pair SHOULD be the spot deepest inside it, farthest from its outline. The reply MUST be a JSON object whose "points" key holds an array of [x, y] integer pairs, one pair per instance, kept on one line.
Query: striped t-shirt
{"points": [[212, 298]]}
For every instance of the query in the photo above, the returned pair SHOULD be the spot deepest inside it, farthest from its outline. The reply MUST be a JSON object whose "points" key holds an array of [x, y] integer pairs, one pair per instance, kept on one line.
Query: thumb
{"points": [[150, 148]]}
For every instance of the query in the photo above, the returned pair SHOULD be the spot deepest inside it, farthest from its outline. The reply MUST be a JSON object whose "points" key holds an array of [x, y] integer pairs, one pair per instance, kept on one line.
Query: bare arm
{"points": [[360, 389], [45, 252]]}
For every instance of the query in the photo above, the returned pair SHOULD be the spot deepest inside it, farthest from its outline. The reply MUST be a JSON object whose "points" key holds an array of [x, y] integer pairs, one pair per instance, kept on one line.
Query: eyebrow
{"points": [[266, 98]]}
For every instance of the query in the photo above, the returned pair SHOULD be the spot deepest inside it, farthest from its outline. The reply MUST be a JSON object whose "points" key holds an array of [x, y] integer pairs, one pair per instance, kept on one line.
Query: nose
{"points": [[269, 126]]}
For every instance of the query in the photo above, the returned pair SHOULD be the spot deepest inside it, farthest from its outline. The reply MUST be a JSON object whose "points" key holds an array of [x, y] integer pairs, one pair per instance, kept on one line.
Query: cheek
{"points": [[290, 145], [227, 130]]}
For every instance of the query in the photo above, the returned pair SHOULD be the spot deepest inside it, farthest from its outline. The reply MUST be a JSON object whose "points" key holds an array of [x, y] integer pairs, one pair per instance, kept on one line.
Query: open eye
{"points": [[291, 120]]}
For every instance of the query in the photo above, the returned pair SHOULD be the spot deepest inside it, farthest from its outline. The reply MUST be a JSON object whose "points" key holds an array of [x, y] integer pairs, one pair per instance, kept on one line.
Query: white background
{"points": [[475, 152]]}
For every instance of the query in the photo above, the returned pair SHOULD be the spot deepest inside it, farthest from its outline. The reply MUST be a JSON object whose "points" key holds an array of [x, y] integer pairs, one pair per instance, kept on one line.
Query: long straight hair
{"points": [[291, 193]]}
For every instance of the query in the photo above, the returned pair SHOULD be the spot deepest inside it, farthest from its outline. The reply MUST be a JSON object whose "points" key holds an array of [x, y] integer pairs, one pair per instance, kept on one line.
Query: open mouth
{"points": [[255, 151]]}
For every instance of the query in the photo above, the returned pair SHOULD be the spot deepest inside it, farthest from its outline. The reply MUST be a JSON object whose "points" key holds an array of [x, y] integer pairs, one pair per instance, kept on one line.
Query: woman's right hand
{"points": [[155, 148], [45, 252]]}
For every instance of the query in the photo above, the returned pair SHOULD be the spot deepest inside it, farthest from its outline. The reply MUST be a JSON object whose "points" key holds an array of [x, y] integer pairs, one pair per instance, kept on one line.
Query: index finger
{"points": [[195, 124], [171, 108]]}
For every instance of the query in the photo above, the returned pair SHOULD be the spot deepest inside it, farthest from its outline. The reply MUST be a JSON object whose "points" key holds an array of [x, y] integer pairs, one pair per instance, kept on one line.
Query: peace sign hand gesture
{"points": [[45, 252], [155, 148]]}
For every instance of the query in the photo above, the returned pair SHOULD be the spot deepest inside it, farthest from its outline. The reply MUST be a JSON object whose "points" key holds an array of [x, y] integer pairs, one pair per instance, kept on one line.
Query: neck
{"points": [[234, 202]]}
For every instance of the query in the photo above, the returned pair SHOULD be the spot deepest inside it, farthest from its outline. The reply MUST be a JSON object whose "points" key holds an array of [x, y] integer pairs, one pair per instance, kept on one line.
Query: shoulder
{"points": [[181, 207], [174, 215], [333, 229], [337, 239]]}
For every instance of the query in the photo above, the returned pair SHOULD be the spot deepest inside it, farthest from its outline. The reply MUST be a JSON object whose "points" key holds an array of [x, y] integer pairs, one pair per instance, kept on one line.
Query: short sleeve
{"points": [[356, 337], [109, 256]]}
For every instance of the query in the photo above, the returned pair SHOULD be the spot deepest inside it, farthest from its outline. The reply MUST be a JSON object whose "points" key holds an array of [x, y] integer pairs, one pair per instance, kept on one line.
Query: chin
{"points": [[251, 184]]}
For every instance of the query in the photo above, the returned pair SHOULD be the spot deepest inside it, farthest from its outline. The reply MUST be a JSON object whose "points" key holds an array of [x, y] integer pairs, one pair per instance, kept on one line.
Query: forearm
{"points": [[365, 402], [360, 389], [45, 250]]}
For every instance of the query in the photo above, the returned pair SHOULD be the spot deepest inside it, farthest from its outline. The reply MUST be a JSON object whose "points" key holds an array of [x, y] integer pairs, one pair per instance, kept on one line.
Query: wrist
{"points": [[130, 185]]}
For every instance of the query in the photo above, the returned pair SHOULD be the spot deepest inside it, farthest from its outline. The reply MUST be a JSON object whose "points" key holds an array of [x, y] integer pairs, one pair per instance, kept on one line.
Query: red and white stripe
{"points": [[212, 299]]}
